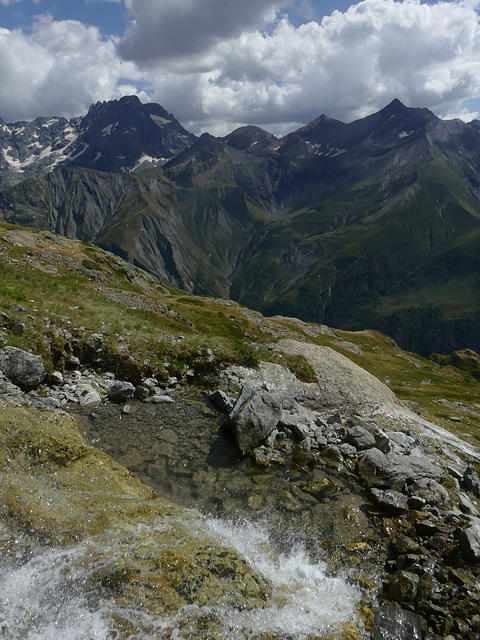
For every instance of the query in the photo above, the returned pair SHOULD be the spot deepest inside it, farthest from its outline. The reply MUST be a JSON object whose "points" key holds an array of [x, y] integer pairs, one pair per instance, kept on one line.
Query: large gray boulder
{"points": [[254, 417], [120, 391], [22, 368], [391, 471]]}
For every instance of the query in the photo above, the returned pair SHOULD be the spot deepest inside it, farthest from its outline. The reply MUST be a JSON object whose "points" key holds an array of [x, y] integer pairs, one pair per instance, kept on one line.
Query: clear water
{"points": [[181, 452]]}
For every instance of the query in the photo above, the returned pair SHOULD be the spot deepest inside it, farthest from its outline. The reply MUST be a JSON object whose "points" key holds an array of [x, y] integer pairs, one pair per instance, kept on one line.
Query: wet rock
{"points": [[58, 491], [221, 401], [403, 544], [430, 490], [416, 502], [390, 500], [332, 453], [266, 456], [403, 586], [161, 399], [22, 368], [394, 623], [120, 391], [422, 523]]}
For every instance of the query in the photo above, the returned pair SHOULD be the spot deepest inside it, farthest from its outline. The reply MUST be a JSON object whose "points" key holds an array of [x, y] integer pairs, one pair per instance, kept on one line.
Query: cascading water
{"points": [[49, 592], [55, 595]]}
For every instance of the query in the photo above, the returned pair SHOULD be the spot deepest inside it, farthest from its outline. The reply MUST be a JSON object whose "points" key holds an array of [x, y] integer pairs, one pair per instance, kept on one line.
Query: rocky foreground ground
{"points": [[412, 538]]}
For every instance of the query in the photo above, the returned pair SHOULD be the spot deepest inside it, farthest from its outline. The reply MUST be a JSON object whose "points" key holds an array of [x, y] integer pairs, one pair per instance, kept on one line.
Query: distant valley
{"points": [[372, 224]]}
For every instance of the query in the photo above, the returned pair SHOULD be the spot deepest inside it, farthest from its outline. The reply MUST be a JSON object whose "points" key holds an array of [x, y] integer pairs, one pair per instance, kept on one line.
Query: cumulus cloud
{"points": [[174, 28], [216, 73], [60, 68], [347, 66]]}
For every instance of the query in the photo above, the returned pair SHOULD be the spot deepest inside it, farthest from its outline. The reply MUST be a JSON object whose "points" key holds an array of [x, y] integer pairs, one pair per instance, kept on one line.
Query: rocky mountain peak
{"points": [[123, 135], [114, 136], [250, 139]]}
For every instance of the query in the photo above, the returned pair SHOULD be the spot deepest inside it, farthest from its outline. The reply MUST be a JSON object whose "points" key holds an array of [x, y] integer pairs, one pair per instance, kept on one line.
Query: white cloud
{"points": [[173, 28], [60, 68], [215, 74], [7, 3], [351, 64]]}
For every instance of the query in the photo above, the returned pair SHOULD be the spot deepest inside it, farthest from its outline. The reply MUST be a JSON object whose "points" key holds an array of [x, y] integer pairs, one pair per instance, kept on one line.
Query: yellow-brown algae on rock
{"points": [[132, 548]]}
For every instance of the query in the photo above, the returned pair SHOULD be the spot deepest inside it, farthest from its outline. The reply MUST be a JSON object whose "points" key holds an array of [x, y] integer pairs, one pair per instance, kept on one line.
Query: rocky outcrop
{"points": [[412, 483]]}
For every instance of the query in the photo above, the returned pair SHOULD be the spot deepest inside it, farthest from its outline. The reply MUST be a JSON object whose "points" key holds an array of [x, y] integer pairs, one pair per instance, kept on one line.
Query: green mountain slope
{"points": [[372, 224]]}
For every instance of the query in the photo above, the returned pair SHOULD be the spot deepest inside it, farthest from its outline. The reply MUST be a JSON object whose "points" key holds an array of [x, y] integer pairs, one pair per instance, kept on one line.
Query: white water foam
{"points": [[53, 596], [305, 599]]}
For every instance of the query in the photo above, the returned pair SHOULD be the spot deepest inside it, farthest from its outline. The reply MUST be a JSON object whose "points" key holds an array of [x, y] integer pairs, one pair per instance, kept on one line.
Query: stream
{"points": [[283, 532]]}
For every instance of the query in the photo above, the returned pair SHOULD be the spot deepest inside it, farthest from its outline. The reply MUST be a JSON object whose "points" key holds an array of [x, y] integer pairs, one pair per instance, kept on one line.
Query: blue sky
{"points": [[218, 64]]}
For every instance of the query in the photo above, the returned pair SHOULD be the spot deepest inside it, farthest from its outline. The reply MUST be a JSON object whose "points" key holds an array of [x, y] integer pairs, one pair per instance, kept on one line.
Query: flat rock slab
{"points": [[391, 471]]}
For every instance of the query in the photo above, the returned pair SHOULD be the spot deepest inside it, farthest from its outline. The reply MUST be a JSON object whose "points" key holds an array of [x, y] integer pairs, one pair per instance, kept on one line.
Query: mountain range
{"points": [[370, 224]]}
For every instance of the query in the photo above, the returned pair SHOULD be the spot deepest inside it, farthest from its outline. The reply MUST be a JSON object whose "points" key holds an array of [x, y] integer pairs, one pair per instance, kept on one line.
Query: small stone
{"points": [[336, 418], [470, 541], [348, 450], [160, 399], [72, 363], [416, 502], [18, 328], [96, 340], [87, 395], [472, 481], [360, 438], [266, 456], [332, 453], [141, 392], [56, 378], [390, 500], [150, 383], [221, 401], [403, 586]]}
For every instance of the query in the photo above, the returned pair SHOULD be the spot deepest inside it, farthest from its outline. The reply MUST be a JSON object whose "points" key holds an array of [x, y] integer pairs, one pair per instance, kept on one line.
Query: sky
{"points": [[220, 64]]}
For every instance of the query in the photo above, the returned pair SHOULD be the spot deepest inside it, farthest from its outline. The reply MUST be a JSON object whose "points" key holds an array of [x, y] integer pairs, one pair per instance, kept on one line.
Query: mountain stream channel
{"points": [[286, 535]]}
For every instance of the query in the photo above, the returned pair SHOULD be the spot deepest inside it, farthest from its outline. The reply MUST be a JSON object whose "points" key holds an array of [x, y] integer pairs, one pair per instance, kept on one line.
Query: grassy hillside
{"points": [[64, 290]]}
